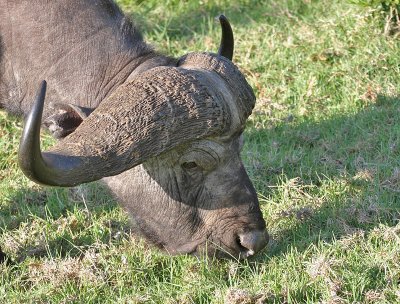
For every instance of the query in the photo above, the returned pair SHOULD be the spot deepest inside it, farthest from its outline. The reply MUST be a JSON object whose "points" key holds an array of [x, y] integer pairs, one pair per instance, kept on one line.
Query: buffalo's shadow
{"points": [[340, 147], [55, 221], [360, 153]]}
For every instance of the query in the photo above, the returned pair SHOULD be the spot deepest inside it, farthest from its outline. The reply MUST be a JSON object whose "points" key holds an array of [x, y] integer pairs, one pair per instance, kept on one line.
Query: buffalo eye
{"points": [[189, 165]]}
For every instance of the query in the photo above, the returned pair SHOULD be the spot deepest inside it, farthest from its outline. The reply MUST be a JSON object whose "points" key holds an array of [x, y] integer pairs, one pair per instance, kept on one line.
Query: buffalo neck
{"points": [[84, 50]]}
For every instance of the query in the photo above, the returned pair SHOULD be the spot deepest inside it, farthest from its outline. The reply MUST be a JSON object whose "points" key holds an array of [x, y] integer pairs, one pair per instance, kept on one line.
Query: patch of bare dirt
{"points": [[59, 271], [302, 213], [393, 182], [240, 296], [321, 268]]}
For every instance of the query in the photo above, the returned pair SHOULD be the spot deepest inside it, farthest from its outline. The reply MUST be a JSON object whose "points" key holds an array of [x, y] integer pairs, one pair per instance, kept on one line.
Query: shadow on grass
{"points": [[359, 153], [346, 168], [56, 221]]}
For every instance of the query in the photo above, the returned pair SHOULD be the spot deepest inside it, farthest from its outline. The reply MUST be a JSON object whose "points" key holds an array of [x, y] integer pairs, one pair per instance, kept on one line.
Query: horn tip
{"points": [[43, 85], [222, 18], [224, 22]]}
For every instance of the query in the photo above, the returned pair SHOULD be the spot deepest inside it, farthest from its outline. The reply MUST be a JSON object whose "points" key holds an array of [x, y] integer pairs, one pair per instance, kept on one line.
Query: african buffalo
{"points": [[164, 134]]}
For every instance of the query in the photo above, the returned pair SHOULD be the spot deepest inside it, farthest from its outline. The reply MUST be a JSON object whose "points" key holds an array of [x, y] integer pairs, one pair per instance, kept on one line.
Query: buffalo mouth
{"points": [[240, 246]]}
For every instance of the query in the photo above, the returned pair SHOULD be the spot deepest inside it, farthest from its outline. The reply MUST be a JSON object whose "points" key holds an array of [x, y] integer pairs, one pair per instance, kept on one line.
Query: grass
{"points": [[322, 148]]}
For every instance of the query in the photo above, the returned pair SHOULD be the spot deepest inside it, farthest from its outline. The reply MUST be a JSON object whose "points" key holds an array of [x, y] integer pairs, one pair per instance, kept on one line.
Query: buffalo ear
{"points": [[65, 118]]}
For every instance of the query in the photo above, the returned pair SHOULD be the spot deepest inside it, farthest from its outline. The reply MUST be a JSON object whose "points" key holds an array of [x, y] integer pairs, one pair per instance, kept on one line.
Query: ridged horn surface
{"points": [[156, 111]]}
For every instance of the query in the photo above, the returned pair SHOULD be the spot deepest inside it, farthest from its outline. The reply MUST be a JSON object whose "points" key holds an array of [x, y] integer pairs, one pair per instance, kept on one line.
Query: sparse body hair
{"points": [[164, 134]]}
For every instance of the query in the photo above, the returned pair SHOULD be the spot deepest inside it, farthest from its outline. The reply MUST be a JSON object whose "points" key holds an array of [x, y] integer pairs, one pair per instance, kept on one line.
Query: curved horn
{"points": [[155, 112], [30, 140], [31, 161], [227, 42]]}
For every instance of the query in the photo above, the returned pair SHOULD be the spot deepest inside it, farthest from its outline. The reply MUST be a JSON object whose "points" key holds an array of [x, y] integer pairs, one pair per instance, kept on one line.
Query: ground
{"points": [[322, 149]]}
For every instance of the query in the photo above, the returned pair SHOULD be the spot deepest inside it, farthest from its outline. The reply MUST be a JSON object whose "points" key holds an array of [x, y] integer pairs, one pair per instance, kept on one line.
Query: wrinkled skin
{"points": [[194, 197], [178, 206]]}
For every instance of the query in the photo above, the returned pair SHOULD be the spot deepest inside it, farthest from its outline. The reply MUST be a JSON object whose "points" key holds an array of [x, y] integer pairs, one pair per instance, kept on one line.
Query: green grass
{"points": [[322, 149]]}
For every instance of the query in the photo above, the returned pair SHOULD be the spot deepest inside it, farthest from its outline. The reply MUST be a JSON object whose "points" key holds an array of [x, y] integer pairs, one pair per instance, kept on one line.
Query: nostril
{"points": [[253, 241], [239, 245]]}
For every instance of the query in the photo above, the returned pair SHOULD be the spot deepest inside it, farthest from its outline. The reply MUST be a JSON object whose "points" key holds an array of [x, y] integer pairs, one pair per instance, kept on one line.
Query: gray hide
{"points": [[164, 134]]}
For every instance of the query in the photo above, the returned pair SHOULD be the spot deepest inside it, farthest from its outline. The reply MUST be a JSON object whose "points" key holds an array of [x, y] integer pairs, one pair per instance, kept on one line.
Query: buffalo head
{"points": [[167, 143]]}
